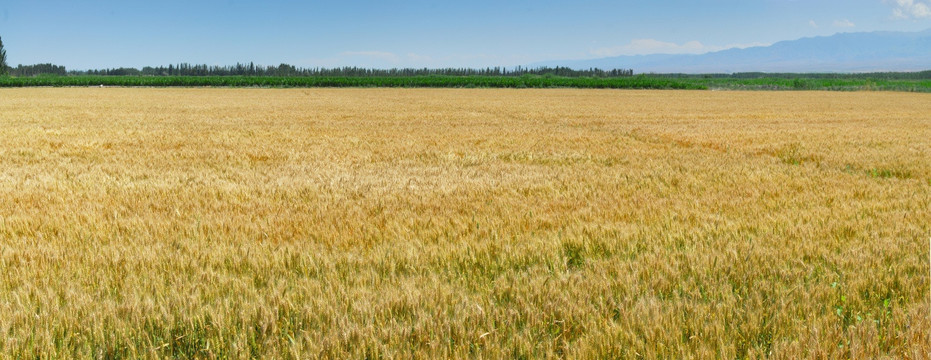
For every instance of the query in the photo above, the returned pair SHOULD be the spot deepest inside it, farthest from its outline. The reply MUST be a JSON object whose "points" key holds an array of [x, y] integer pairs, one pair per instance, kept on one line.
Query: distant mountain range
{"points": [[846, 52]]}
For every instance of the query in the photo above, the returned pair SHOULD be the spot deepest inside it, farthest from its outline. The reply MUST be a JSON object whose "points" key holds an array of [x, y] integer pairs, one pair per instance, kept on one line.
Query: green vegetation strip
{"points": [[851, 83], [635, 82], [836, 84]]}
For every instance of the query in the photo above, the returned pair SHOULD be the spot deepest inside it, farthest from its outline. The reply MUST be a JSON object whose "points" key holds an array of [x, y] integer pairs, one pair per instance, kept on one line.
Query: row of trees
{"points": [[290, 70], [241, 69], [37, 69], [250, 69]]}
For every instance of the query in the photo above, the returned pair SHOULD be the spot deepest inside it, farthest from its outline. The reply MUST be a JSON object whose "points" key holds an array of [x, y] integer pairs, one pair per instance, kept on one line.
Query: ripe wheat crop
{"points": [[458, 223]]}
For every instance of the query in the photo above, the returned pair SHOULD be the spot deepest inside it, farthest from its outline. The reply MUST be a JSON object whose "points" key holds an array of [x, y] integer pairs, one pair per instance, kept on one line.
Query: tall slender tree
{"points": [[3, 66]]}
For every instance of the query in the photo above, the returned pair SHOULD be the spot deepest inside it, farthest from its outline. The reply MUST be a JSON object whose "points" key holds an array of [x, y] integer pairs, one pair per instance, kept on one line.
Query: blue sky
{"points": [[416, 33]]}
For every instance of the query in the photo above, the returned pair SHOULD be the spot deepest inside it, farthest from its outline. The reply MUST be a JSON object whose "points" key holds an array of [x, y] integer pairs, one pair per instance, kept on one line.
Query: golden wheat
{"points": [[385, 223]]}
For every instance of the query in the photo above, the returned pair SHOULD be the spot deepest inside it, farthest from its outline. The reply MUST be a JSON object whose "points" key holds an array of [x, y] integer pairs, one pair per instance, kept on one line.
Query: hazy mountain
{"points": [[847, 52]]}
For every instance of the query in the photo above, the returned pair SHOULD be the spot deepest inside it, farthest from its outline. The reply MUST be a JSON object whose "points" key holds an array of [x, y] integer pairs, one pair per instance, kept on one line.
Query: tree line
{"points": [[251, 69], [38, 69], [286, 70]]}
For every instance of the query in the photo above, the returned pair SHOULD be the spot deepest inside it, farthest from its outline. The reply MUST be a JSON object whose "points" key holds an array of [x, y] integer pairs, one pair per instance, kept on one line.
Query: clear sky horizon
{"points": [[384, 34]]}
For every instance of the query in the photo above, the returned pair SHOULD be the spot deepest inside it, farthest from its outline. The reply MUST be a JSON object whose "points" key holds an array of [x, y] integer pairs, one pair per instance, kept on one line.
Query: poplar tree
{"points": [[3, 66]]}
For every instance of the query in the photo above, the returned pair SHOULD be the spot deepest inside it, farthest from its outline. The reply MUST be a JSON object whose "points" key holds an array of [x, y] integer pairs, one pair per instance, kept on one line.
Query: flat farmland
{"points": [[463, 223]]}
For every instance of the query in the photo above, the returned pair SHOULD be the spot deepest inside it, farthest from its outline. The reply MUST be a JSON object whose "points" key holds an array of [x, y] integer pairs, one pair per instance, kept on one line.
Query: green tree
{"points": [[3, 66]]}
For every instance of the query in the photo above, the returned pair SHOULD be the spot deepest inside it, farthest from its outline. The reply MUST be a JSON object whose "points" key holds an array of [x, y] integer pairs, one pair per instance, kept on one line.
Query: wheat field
{"points": [[463, 223]]}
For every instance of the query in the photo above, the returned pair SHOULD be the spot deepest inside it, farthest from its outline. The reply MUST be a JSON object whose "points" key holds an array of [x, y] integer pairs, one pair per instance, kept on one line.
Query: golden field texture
{"points": [[453, 223]]}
